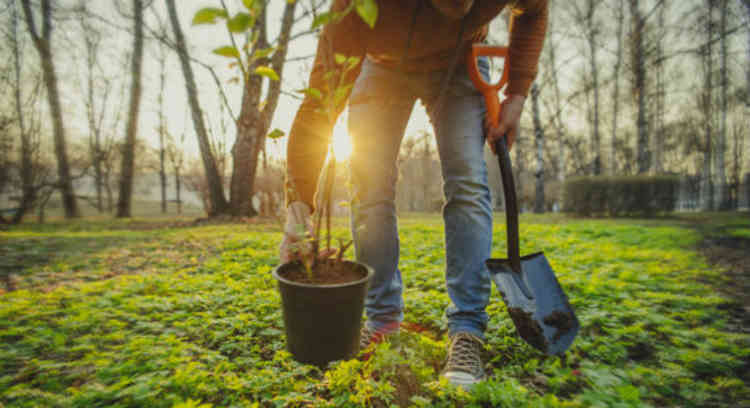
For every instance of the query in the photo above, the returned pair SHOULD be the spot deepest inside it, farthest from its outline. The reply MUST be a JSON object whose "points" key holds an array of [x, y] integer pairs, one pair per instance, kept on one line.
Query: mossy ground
{"points": [[112, 313]]}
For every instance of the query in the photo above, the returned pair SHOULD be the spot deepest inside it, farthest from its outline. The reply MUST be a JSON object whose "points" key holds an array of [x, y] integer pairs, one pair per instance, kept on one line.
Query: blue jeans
{"points": [[380, 105]]}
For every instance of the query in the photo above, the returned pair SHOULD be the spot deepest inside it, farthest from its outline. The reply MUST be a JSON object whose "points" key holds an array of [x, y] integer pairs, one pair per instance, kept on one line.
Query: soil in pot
{"points": [[327, 272]]}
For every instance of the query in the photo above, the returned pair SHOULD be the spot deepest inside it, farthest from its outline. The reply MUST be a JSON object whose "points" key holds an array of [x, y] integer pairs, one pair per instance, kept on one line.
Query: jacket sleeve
{"points": [[312, 127], [528, 28]]}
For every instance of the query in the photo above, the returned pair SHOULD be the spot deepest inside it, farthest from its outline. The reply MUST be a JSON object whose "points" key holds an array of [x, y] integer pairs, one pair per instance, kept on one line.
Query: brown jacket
{"points": [[433, 46]]}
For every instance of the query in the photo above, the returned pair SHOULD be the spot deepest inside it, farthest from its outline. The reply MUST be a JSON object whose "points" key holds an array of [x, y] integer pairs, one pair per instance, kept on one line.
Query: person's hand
{"points": [[510, 122], [296, 244]]}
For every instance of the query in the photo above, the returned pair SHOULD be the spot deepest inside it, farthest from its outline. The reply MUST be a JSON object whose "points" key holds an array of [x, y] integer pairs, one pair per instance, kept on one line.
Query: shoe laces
{"points": [[464, 354]]}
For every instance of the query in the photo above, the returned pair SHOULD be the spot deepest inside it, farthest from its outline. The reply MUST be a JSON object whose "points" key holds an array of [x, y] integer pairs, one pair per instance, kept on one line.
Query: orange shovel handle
{"points": [[490, 91]]}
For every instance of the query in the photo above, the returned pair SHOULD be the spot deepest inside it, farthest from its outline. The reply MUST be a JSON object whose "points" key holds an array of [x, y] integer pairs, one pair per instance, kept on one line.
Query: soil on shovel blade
{"points": [[528, 328], [327, 272], [562, 321]]}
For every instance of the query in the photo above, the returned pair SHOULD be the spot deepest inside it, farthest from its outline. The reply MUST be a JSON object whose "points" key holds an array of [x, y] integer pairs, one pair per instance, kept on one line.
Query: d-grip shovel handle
{"points": [[489, 90], [492, 102]]}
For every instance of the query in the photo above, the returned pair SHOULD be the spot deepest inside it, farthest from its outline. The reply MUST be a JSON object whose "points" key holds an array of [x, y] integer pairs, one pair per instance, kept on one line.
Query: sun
{"points": [[342, 145]]}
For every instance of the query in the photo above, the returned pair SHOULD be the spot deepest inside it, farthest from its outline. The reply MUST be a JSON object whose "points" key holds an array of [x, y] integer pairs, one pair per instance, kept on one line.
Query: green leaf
{"points": [[263, 53], [227, 51], [208, 15], [321, 19], [312, 92], [267, 72], [240, 23], [276, 134], [340, 58], [368, 10], [248, 4]]}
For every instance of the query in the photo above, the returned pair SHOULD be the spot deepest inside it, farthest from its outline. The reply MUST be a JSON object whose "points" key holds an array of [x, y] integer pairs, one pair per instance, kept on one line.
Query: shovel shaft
{"points": [[493, 106], [511, 205]]}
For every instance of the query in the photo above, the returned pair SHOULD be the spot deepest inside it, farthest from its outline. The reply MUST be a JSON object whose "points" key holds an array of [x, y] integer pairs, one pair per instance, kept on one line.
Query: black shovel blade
{"points": [[540, 310]]}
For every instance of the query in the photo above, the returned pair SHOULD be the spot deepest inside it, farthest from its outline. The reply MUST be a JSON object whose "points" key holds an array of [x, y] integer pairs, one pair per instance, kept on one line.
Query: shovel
{"points": [[535, 301]]}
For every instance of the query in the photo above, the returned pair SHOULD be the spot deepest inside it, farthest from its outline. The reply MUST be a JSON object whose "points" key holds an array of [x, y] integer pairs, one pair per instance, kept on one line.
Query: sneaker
{"points": [[463, 367], [369, 335]]}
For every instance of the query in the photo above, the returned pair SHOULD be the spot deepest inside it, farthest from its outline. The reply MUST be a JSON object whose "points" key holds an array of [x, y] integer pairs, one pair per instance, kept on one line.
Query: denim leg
{"points": [[467, 212], [379, 109]]}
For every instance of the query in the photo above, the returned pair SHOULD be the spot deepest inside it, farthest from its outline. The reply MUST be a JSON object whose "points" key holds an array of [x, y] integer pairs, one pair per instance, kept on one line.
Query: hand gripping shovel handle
{"points": [[492, 103]]}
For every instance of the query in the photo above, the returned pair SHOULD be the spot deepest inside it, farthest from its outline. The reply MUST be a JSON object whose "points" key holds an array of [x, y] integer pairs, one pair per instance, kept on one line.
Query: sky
{"points": [[117, 44], [114, 63]]}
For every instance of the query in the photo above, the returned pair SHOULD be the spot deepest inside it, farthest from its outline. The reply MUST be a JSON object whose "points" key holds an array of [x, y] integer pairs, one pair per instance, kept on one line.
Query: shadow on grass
{"points": [[48, 258]]}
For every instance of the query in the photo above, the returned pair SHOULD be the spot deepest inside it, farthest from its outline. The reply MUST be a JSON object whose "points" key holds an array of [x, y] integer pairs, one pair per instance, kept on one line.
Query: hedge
{"points": [[620, 195]]}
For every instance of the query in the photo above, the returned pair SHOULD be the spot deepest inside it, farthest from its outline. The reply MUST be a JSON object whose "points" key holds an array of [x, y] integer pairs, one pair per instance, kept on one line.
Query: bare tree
{"points": [[638, 63], [425, 167], [124, 199], [557, 108], [255, 115], [746, 3], [539, 145], [25, 132], [660, 96], [177, 160], [707, 108], [590, 27], [620, 16], [722, 199], [735, 175], [162, 127], [216, 202], [98, 143], [43, 44]]}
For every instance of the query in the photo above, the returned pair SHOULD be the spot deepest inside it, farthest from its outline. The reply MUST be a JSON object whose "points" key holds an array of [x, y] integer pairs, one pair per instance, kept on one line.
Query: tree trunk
{"points": [[639, 67], [658, 159], [520, 167], [707, 108], [28, 189], [253, 123], [722, 201], [746, 3], [124, 199], [217, 201], [616, 91], [92, 40], [558, 112], [539, 145], [162, 129], [426, 174], [43, 47], [177, 187], [244, 153], [595, 137]]}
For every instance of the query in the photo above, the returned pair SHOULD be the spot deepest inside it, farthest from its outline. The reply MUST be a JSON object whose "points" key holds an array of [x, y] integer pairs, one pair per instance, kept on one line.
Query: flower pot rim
{"points": [[280, 278]]}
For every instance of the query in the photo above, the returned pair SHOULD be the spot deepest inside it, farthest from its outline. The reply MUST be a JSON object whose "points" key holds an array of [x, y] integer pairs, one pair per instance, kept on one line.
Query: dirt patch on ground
{"points": [[407, 386], [733, 255]]}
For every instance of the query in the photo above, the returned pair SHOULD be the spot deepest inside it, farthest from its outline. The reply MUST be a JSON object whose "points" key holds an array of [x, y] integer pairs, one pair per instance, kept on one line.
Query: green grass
{"points": [[112, 313]]}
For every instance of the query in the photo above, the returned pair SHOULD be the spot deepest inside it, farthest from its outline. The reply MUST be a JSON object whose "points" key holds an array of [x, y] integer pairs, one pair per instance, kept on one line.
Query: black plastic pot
{"points": [[322, 322]]}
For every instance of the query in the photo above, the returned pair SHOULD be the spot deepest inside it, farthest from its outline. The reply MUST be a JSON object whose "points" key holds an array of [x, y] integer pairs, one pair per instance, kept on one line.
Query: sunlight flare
{"points": [[342, 145]]}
